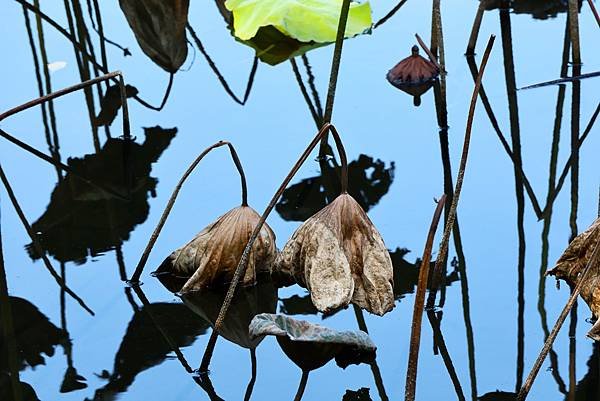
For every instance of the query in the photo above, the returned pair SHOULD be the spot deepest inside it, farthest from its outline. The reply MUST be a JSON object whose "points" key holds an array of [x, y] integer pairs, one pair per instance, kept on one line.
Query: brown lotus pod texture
{"points": [[340, 257], [213, 255], [414, 69], [572, 263]]}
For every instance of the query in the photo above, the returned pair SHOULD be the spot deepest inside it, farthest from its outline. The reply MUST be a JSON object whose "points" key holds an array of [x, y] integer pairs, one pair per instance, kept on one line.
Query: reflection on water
{"points": [[143, 345], [487, 307], [81, 221], [369, 179], [35, 335]]}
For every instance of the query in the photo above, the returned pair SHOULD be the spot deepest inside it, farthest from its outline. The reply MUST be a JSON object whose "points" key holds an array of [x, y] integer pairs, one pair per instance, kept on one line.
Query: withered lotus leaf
{"points": [[340, 257], [159, 28], [212, 256], [572, 263], [310, 345]]}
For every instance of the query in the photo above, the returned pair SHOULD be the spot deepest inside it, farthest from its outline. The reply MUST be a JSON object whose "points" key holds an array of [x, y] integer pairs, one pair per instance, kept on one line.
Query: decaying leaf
{"points": [[340, 257], [311, 346], [211, 257], [159, 28], [571, 264], [306, 21]]}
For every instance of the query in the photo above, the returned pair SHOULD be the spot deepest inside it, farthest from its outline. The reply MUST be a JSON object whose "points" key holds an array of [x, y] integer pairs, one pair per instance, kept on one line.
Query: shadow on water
{"points": [[81, 221]]}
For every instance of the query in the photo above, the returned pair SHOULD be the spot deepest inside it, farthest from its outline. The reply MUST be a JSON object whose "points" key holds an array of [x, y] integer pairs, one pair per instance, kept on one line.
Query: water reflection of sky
{"points": [[269, 132]]}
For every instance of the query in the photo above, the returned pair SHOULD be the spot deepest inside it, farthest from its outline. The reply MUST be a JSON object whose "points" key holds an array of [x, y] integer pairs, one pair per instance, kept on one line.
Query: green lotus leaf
{"points": [[304, 20]]}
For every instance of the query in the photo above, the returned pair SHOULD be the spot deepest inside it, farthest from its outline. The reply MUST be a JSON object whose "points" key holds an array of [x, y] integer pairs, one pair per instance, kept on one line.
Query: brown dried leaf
{"points": [[212, 256], [340, 257], [572, 262]]}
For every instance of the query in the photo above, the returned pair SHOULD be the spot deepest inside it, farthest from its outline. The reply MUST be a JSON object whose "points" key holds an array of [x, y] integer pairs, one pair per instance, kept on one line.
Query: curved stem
{"points": [[164, 99], [443, 252], [142, 263], [241, 267], [302, 385]]}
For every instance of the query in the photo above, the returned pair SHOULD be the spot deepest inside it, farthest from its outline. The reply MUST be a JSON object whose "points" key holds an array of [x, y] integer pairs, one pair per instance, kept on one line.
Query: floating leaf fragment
{"points": [[572, 263], [56, 65], [210, 259], [306, 20], [340, 257], [310, 345]]}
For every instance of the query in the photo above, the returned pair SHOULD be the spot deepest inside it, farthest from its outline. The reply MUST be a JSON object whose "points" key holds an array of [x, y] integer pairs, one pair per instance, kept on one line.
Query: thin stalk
{"points": [[390, 14], [583, 277], [594, 11], [242, 264], [313, 88], [220, 76], [492, 117], [362, 325], [81, 50], [250, 387], [569, 163], [563, 80], [574, 31], [302, 385], [335, 68], [38, 247], [475, 30], [8, 330], [415, 332], [135, 279], [463, 164], [431, 56], [309, 103], [441, 344]]}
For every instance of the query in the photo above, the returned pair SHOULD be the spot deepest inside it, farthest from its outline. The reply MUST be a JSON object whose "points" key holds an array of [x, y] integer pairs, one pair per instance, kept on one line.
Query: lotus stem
{"points": [[36, 244], [583, 277], [241, 267], [135, 278], [475, 30], [415, 335], [574, 31], [441, 258], [250, 387], [335, 68], [431, 56]]}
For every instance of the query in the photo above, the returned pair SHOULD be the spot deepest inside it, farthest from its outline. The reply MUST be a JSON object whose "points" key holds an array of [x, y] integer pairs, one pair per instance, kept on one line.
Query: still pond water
{"points": [[493, 323]]}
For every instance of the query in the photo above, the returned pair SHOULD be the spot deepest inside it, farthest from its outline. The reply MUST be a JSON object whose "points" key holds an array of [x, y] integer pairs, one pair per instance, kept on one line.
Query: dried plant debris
{"points": [[311, 346], [210, 259], [340, 257], [159, 28], [573, 261]]}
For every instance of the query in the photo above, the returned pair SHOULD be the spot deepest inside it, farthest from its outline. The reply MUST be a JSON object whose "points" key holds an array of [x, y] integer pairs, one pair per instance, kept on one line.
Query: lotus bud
{"points": [[212, 256], [340, 257]]}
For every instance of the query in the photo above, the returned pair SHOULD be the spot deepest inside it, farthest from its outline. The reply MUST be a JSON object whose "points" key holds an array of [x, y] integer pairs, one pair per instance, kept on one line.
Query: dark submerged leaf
{"points": [[362, 394]]}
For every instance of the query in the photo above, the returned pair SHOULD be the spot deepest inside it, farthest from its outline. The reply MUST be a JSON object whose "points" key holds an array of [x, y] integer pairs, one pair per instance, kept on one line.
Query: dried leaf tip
{"points": [[210, 258], [340, 257], [572, 263]]}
